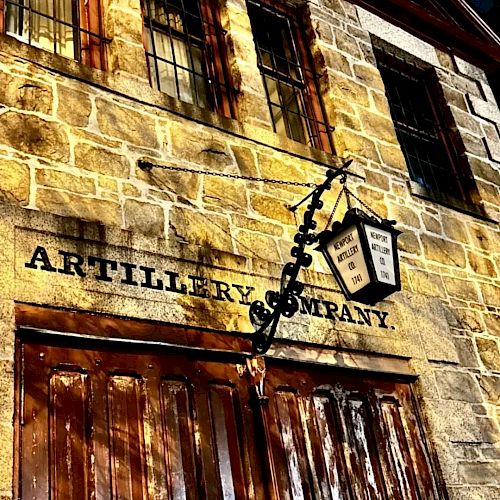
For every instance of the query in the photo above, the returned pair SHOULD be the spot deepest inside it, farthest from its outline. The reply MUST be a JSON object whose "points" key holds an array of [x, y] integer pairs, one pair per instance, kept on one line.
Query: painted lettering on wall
{"points": [[135, 275]]}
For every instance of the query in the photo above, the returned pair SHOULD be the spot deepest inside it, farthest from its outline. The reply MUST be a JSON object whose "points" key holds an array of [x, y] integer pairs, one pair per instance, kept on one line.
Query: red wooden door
{"points": [[100, 421], [338, 435]]}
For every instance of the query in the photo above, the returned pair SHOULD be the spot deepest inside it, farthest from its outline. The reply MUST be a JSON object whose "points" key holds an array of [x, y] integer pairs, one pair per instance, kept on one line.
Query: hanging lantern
{"points": [[363, 256]]}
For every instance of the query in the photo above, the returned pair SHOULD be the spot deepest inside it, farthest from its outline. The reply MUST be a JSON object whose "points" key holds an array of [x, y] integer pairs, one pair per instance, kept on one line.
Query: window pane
{"points": [[291, 86], [65, 33], [417, 126], [53, 25], [178, 59]]}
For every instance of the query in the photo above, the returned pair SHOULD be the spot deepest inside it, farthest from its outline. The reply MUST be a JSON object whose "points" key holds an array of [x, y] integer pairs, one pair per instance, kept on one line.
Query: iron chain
{"points": [[146, 165]]}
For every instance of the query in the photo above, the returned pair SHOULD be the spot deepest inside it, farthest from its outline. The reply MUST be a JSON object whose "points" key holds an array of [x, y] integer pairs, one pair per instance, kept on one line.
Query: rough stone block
{"points": [[346, 43], [491, 294], [454, 98], [14, 182], [473, 145], [369, 75], [245, 160], [490, 385], [350, 142], [381, 103], [199, 146], [126, 124], [206, 230], [281, 168], [145, 218], [466, 351], [257, 245], [409, 242], [454, 228], [467, 319], [445, 252], [225, 193], [182, 184], [426, 283], [483, 237], [378, 126], [241, 221], [127, 57], [404, 215], [124, 25], [392, 156], [455, 421], [481, 265], [35, 136], [377, 179], [480, 472], [461, 289], [102, 161], [458, 386], [432, 328], [337, 62], [488, 192], [467, 121], [490, 355], [73, 107], [485, 109], [349, 90], [73, 205], [64, 180], [271, 207], [492, 322], [22, 93], [431, 224]]}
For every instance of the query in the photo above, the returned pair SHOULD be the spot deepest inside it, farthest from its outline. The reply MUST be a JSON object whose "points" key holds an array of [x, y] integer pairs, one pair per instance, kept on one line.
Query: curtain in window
{"points": [[44, 26]]}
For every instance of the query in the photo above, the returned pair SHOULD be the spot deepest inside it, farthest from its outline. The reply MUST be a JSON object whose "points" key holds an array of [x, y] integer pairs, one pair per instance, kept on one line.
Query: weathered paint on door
{"points": [[101, 421]]}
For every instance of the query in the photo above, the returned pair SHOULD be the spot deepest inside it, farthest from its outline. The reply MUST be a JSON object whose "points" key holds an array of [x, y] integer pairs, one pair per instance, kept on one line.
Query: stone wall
{"points": [[70, 138]]}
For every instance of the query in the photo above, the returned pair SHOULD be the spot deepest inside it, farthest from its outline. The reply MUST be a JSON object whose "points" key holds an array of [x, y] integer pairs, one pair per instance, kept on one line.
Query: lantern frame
{"points": [[375, 290]]}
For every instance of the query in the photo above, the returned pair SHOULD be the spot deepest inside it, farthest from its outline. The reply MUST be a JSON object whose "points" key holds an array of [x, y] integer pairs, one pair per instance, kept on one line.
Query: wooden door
{"points": [[103, 421], [338, 435]]}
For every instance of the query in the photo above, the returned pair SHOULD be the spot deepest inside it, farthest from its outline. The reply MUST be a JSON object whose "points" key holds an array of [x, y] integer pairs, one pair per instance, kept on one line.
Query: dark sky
{"points": [[489, 11]]}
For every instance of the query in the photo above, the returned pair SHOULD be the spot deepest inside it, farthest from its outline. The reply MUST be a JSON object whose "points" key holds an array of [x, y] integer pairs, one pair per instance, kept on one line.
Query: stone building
{"points": [[127, 267]]}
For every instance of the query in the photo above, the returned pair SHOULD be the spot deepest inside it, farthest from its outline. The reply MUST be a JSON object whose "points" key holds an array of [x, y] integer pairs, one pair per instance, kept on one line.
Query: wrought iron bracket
{"points": [[285, 302]]}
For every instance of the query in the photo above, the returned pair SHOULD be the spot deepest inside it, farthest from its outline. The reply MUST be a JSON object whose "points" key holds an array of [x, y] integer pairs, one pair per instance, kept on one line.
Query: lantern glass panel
{"points": [[347, 256], [380, 244]]}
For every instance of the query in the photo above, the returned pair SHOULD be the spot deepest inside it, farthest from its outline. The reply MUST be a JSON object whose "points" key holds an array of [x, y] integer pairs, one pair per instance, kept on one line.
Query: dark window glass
{"points": [[420, 127], [184, 48], [290, 83], [71, 28]]}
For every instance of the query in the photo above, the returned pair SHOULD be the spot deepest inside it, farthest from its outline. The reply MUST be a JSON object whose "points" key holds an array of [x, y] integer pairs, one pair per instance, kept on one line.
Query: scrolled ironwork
{"points": [[285, 302]]}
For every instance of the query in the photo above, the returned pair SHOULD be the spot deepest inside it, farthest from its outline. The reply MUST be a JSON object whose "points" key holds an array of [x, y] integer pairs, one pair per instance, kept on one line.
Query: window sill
{"points": [[461, 206], [140, 91]]}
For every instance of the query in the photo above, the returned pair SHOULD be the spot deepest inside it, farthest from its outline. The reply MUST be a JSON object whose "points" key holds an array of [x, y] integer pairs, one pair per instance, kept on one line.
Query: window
{"points": [[185, 53], [71, 28], [290, 82], [427, 143]]}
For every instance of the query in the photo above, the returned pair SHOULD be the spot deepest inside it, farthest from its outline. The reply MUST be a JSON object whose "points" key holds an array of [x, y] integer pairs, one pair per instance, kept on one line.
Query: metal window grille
{"points": [[290, 83], [71, 28], [185, 53], [419, 125]]}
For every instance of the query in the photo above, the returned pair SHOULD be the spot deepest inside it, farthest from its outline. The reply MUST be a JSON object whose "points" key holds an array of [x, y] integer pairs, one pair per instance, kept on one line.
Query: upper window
{"points": [[185, 53], [289, 80], [428, 147], [71, 28]]}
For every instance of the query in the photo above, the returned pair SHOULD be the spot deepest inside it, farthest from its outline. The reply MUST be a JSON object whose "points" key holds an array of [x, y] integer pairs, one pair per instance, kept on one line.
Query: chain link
{"points": [[146, 165], [362, 203]]}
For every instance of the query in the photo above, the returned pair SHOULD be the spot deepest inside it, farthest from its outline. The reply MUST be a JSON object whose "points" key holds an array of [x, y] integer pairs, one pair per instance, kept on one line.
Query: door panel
{"points": [[355, 437], [162, 426], [101, 421]]}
